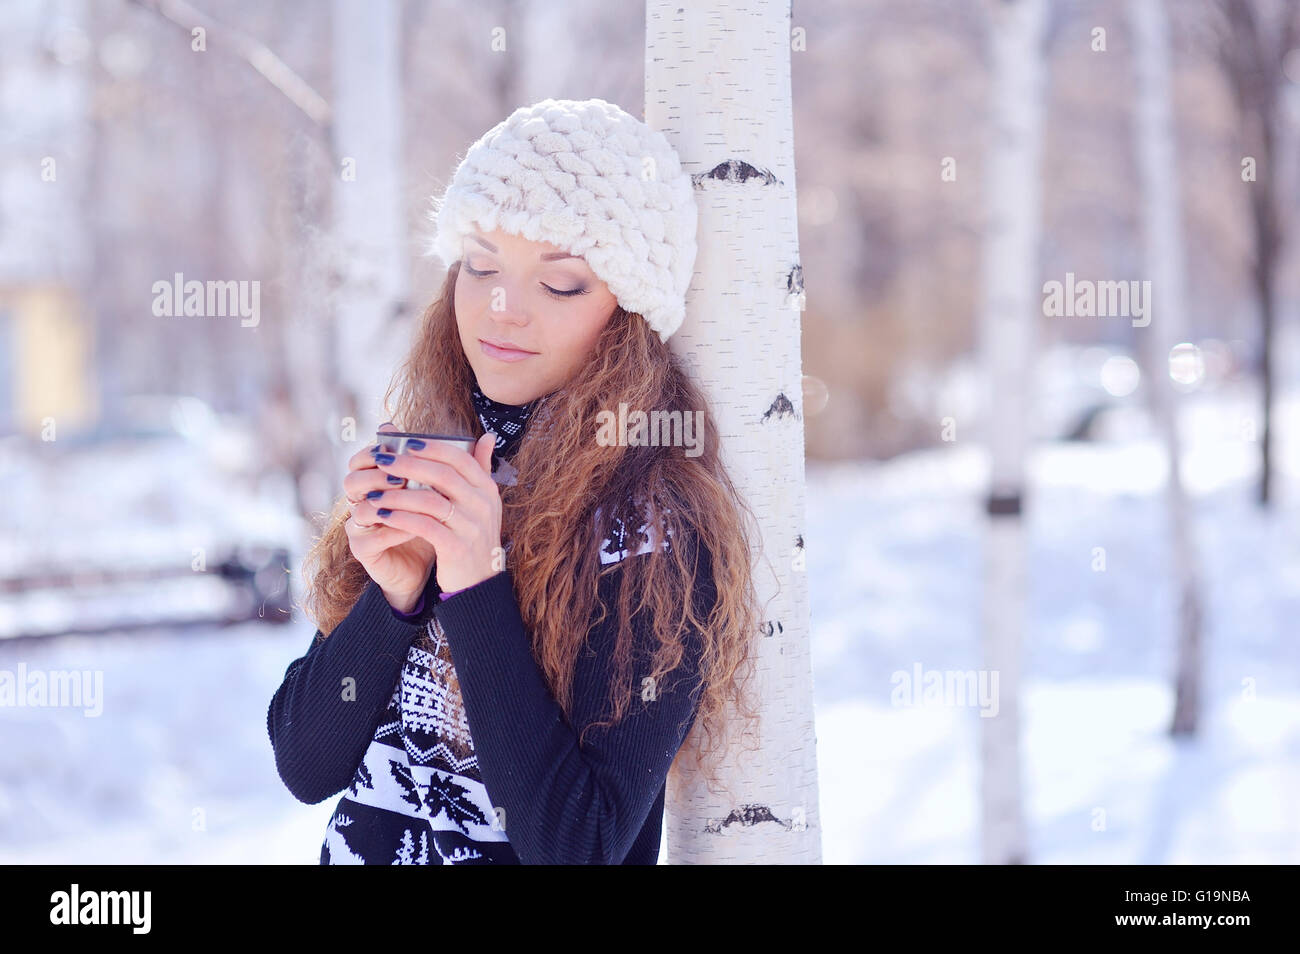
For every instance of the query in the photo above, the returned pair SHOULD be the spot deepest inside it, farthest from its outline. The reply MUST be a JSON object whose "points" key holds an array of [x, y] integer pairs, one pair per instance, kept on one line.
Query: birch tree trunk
{"points": [[718, 86], [369, 227], [1255, 40], [1154, 137], [1011, 310]]}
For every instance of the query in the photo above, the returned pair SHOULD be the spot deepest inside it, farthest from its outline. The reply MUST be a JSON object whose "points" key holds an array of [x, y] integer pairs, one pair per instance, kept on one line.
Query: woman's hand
{"points": [[460, 518], [398, 561]]}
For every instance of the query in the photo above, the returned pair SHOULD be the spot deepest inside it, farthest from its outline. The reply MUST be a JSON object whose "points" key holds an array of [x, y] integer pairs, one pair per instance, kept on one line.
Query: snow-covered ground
{"points": [[1103, 781], [178, 767]]}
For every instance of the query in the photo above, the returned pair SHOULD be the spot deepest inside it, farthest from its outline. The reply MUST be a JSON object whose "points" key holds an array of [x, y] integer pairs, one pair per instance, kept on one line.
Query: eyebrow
{"points": [[548, 257]]}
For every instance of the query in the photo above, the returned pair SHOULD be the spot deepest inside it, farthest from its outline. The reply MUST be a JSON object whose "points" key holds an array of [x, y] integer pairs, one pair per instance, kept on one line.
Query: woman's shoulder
{"points": [[633, 530], [621, 541]]}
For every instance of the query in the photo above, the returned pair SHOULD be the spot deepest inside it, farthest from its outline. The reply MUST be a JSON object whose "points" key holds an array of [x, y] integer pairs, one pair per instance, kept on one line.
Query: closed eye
{"points": [[554, 291]]}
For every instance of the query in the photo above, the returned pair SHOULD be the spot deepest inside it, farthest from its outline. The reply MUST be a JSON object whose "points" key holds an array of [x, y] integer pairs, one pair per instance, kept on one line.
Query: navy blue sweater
{"points": [[509, 784]]}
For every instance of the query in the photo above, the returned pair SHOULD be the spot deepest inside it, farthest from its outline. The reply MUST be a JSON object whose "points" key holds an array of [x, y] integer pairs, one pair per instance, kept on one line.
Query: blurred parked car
{"points": [[163, 515]]}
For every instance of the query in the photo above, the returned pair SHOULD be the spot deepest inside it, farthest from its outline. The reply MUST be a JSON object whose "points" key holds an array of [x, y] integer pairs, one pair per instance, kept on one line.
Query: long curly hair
{"points": [[568, 481]]}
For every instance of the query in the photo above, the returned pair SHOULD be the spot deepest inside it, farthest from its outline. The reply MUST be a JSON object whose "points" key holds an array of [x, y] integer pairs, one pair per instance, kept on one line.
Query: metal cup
{"points": [[394, 442]]}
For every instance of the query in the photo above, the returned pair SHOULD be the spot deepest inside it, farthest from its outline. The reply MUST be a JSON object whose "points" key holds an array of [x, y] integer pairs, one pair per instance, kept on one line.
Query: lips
{"points": [[505, 345], [502, 352]]}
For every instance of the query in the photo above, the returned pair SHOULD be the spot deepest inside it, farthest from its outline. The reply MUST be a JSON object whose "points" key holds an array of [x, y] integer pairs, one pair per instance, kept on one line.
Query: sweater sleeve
{"points": [[564, 804], [319, 722]]}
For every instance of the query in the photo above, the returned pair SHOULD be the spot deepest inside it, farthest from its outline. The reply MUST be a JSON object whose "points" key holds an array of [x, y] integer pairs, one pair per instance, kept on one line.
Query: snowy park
{"points": [[956, 344], [178, 766]]}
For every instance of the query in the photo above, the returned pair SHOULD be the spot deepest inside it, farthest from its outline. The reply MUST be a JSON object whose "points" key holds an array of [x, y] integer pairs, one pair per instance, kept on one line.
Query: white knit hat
{"points": [[592, 180]]}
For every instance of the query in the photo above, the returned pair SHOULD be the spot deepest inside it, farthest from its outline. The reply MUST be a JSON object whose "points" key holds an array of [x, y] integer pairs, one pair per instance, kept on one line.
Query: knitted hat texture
{"points": [[592, 180]]}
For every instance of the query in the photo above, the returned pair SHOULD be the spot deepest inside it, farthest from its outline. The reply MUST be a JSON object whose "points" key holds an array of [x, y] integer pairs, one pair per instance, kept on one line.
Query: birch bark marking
{"points": [[718, 86]]}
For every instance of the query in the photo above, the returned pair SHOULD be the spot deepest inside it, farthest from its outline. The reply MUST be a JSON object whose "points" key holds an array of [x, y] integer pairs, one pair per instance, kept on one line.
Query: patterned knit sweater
{"points": [[365, 712]]}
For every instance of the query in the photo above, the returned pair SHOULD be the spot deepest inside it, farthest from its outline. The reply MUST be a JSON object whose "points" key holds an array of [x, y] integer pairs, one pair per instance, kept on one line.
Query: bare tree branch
{"points": [[253, 52]]}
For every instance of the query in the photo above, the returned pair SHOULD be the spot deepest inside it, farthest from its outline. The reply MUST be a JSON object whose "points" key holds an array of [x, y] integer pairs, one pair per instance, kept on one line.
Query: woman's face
{"points": [[531, 296]]}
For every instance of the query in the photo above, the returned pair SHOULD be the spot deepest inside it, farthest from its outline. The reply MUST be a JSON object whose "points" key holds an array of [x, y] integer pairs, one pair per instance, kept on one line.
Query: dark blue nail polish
{"points": [[383, 511], [415, 444], [374, 495], [392, 479], [374, 449], [384, 459]]}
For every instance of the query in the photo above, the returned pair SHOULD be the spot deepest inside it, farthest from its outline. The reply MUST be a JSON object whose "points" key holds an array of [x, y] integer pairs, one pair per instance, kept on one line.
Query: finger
{"points": [[363, 515], [368, 543], [449, 462], [483, 451], [358, 483], [465, 463], [423, 503], [373, 538], [428, 502], [436, 533], [363, 458], [443, 481]]}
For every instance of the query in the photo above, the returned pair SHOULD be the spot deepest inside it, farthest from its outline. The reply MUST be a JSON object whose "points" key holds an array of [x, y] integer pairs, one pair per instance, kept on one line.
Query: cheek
{"points": [[587, 329], [465, 301]]}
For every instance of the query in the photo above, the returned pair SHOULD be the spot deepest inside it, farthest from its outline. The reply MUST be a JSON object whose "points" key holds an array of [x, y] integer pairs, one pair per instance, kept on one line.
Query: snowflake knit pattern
{"points": [[417, 797]]}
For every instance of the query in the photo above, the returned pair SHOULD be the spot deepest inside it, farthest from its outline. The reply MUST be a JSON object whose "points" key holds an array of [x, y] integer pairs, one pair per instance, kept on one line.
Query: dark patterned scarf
{"points": [[505, 420]]}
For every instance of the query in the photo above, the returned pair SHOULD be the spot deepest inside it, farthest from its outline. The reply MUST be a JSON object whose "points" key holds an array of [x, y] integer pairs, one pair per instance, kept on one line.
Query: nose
{"points": [[506, 304]]}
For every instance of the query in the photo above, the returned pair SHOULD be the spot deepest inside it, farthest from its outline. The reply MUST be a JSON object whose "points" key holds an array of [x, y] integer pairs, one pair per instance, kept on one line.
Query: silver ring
{"points": [[450, 512]]}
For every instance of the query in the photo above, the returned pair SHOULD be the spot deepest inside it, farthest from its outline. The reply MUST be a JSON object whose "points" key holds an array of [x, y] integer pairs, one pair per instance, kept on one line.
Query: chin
{"points": [[500, 387]]}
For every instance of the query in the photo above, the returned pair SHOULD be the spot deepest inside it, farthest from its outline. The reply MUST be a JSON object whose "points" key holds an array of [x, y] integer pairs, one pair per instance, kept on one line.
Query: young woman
{"points": [[507, 666]]}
